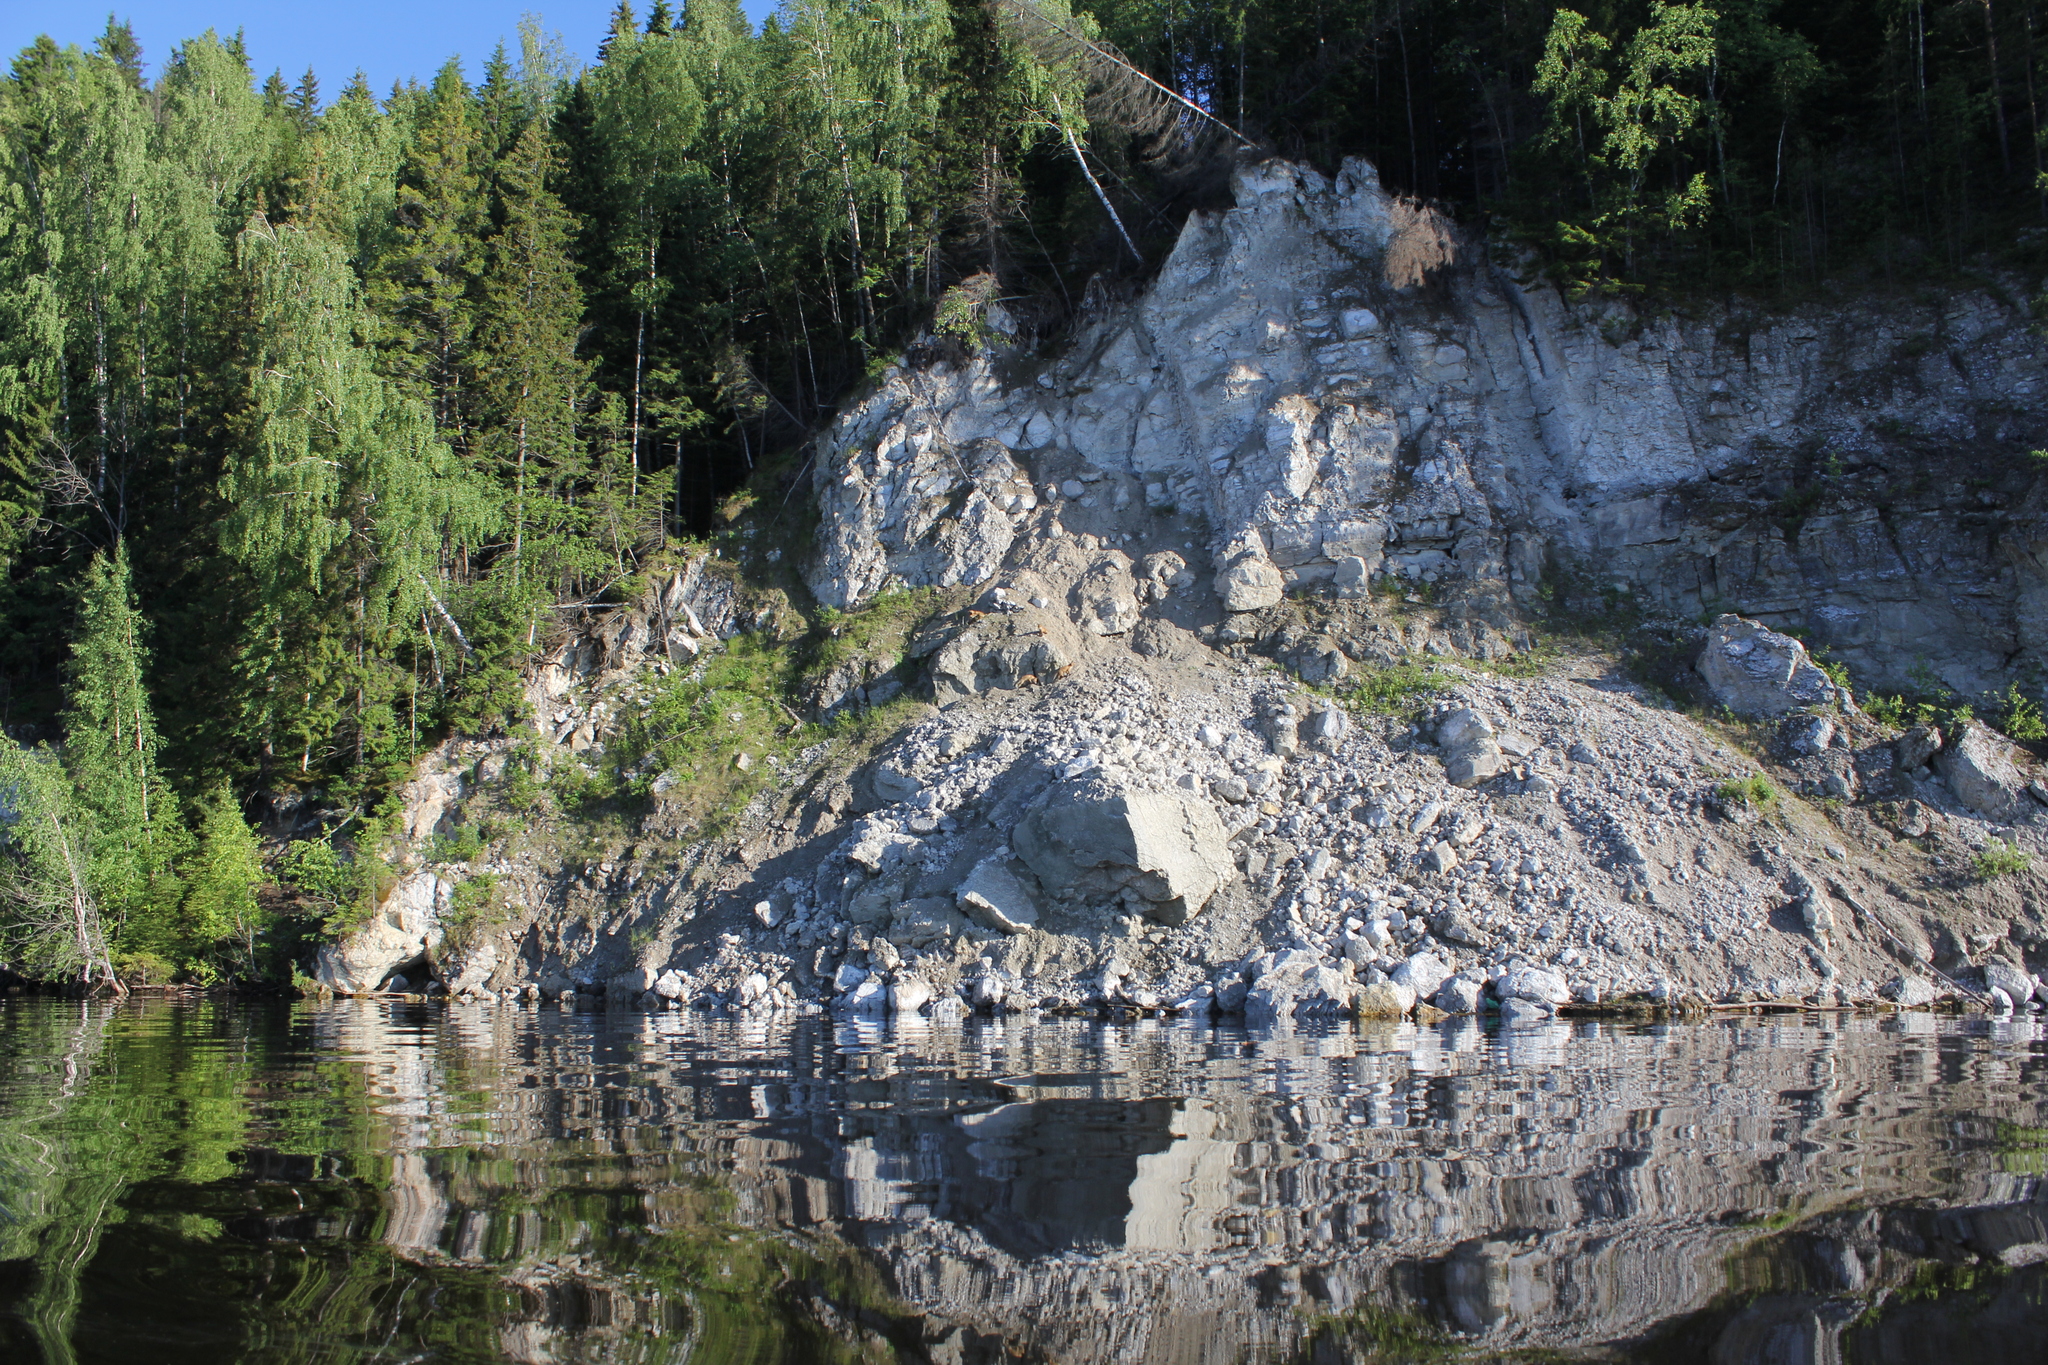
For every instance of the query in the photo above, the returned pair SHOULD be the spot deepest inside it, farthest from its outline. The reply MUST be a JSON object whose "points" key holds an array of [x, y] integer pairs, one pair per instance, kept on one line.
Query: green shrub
{"points": [[1395, 690], [463, 844], [2001, 858], [475, 907], [2020, 716], [1837, 671], [1754, 790]]}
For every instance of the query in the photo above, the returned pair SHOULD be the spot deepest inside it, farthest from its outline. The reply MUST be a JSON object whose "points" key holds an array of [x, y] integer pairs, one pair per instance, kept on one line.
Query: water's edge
{"points": [[384, 1180]]}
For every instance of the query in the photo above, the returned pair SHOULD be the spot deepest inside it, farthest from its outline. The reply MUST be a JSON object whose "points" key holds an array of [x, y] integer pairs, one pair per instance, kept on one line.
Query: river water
{"points": [[381, 1181]]}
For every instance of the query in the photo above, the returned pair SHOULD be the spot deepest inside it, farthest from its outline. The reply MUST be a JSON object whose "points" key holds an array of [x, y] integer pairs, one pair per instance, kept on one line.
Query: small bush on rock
{"points": [[2000, 858], [1755, 790]]}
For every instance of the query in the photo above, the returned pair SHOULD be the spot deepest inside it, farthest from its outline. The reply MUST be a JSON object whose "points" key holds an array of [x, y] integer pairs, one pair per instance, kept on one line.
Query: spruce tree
{"points": [[110, 738], [221, 912], [531, 379], [425, 279]]}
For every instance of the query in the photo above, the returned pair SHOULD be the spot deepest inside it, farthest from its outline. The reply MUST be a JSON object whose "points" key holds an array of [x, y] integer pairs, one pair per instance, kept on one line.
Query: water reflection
{"points": [[373, 1181]]}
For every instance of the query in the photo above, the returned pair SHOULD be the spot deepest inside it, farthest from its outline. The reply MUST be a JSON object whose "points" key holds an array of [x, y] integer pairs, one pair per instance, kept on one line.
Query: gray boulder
{"points": [[1908, 992], [1422, 973], [1251, 583], [909, 994], [1299, 985], [1917, 746], [1533, 983], [2012, 980], [1095, 838], [468, 973], [405, 931], [1384, 1000], [1806, 734], [995, 897], [895, 782], [869, 997], [1520, 1011], [1459, 995], [1470, 750], [1756, 671], [1983, 770]]}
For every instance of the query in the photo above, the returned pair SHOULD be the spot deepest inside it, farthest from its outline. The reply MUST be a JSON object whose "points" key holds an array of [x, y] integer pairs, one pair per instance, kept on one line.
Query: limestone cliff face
{"points": [[1858, 469]]}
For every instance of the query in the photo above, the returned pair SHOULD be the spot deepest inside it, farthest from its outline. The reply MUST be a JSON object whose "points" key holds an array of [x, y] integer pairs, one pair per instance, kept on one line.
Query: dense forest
{"points": [[320, 415]]}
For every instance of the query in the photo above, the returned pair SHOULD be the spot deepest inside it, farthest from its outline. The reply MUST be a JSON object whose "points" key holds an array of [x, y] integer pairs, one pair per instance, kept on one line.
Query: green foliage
{"points": [[312, 867], [475, 907], [962, 313], [695, 729], [463, 844], [1754, 791], [2020, 716], [1396, 690], [221, 914], [2000, 858], [52, 922]]}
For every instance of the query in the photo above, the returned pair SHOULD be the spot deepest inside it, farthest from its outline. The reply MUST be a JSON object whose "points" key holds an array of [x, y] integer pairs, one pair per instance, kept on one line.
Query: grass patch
{"points": [[1754, 791], [876, 634], [2001, 858], [1393, 691], [708, 739], [1530, 663], [475, 907]]}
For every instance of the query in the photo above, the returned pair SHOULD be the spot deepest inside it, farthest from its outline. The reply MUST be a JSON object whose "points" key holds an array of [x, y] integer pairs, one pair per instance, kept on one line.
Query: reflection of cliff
{"points": [[1169, 1195]]}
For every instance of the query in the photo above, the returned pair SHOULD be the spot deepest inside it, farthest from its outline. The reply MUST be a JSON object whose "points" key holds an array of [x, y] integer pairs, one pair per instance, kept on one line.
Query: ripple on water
{"points": [[385, 1180]]}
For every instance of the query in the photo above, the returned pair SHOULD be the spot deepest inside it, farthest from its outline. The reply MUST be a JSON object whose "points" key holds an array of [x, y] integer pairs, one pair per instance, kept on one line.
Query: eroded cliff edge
{"points": [[1109, 796]]}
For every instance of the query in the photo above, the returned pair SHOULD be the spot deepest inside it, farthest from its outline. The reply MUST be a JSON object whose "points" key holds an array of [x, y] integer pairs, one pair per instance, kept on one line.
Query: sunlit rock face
{"points": [[1824, 466], [403, 933]]}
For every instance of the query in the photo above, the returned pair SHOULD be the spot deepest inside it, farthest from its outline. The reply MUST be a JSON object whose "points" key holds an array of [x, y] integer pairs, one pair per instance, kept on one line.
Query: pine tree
{"points": [[222, 917], [531, 379], [305, 102], [111, 750], [425, 278]]}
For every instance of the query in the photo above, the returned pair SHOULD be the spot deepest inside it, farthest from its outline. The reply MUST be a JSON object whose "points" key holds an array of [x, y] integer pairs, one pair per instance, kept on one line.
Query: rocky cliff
{"points": [[1859, 468], [1298, 448]]}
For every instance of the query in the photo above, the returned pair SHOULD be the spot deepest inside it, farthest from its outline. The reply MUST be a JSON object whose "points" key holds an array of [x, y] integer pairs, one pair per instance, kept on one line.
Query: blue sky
{"points": [[388, 39]]}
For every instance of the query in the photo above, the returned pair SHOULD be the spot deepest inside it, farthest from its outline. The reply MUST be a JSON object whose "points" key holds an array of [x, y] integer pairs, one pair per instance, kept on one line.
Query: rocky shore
{"points": [[1226, 694]]}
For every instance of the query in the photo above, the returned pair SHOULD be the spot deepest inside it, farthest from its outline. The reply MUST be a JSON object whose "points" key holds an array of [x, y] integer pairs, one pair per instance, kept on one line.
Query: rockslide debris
{"points": [[1137, 784]]}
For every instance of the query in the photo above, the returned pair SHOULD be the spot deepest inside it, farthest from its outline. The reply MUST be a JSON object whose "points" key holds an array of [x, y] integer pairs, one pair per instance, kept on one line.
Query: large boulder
{"points": [[1470, 749], [1984, 772], [1005, 650], [1299, 985], [1756, 671], [1091, 840], [405, 932], [1533, 983], [1250, 583], [1422, 973], [2003, 976], [996, 897]]}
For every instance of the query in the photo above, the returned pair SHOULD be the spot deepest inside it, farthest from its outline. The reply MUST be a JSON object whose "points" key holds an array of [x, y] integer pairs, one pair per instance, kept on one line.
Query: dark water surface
{"points": [[387, 1182]]}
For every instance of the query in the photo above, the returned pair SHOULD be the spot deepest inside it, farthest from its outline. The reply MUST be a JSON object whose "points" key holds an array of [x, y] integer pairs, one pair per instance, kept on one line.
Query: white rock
{"points": [[909, 994], [1422, 973], [1459, 995], [869, 997], [1533, 983]]}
